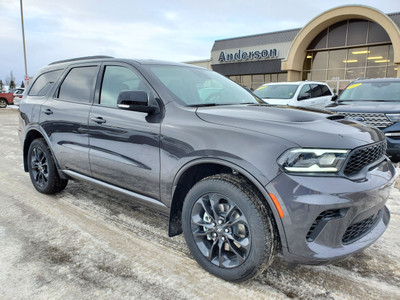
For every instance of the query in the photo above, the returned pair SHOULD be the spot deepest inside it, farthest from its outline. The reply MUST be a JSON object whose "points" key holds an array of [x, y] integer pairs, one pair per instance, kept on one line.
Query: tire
{"points": [[3, 103], [228, 230], [42, 169]]}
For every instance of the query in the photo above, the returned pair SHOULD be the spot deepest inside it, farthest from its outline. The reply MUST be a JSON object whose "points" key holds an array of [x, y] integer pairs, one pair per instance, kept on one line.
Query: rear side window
{"points": [[325, 91], [44, 82], [316, 91], [79, 84]]}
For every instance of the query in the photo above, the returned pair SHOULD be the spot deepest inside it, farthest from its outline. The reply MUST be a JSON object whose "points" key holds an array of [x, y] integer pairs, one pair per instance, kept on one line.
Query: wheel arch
{"points": [[195, 171], [30, 136]]}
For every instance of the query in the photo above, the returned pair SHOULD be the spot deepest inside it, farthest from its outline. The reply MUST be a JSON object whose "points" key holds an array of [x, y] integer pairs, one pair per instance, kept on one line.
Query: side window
{"points": [[325, 91], [79, 84], [44, 82], [117, 79], [305, 90], [316, 91]]}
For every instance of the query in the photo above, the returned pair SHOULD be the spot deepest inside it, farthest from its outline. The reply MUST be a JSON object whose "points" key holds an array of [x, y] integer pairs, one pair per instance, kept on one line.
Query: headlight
{"points": [[393, 117], [301, 160]]}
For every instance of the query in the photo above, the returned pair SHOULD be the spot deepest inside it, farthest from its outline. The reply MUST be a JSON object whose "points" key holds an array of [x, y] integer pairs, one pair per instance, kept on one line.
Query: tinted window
{"points": [[337, 34], [79, 84], [316, 90], [357, 32], [377, 34], [117, 79], [319, 41], [44, 82], [305, 90], [325, 90]]}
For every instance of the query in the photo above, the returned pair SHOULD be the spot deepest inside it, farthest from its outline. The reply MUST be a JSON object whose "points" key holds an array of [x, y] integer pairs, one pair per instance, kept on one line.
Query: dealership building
{"points": [[338, 46]]}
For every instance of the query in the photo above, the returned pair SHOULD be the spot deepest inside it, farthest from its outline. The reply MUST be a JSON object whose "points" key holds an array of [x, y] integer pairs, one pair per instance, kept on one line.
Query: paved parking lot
{"points": [[85, 244]]}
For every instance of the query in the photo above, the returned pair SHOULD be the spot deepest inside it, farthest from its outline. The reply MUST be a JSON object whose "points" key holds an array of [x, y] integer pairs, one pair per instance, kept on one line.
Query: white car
{"points": [[18, 93], [301, 93]]}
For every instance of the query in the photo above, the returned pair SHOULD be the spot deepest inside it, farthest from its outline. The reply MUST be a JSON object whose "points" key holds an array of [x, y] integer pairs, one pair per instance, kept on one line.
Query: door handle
{"points": [[48, 111], [98, 120]]}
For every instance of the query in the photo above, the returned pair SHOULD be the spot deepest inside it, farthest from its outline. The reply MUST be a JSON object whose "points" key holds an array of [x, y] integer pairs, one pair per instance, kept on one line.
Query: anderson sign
{"points": [[247, 55]]}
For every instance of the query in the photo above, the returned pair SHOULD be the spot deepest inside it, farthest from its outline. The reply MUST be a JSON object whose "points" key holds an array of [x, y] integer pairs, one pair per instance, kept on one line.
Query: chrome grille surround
{"points": [[372, 119]]}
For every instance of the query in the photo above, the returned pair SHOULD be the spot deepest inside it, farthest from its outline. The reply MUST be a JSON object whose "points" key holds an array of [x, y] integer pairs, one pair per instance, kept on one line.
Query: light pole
{"points": [[23, 41]]}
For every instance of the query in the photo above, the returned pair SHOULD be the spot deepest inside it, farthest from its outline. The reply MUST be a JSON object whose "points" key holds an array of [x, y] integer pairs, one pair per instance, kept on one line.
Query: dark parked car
{"points": [[375, 102], [242, 180]]}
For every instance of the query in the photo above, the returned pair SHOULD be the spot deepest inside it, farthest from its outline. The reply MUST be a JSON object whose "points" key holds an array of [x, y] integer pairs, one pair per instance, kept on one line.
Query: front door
{"points": [[124, 145]]}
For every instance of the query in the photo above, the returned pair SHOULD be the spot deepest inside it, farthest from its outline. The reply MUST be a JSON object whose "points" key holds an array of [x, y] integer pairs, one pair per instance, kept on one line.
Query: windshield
{"points": [[200, 87], [372, 91], [276, 91]]}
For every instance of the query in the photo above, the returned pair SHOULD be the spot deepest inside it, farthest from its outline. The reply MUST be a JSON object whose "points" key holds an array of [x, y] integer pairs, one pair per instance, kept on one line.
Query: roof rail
{"points": [[80, 58]]}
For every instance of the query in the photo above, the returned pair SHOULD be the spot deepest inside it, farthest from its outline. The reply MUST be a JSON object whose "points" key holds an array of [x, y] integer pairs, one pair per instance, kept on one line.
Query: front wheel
{"points": [[3, 103], [227, 228], [42, 169]]}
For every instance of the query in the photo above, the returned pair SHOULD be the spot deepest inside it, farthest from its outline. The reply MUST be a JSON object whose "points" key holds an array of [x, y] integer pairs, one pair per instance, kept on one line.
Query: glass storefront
{"points": [[349, 50], [254, 81]]}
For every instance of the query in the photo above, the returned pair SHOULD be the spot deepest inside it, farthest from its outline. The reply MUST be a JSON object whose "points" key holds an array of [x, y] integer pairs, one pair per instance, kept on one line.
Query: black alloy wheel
{"points": [[220, 230], [227, 228], [42, 169]]}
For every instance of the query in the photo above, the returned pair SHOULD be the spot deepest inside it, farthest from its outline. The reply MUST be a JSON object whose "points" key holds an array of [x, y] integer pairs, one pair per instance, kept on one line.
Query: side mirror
{"points": [[334, 97], [135, 101], [303, 96]]}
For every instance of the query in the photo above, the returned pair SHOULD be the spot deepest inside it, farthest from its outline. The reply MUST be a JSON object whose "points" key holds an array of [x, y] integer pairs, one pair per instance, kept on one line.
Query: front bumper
{"points": [[329, 218]]}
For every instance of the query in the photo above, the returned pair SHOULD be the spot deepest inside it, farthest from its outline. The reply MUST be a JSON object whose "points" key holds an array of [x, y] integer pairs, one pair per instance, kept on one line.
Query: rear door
{"points": [[64, 117], [326, 95], [124, 145]]}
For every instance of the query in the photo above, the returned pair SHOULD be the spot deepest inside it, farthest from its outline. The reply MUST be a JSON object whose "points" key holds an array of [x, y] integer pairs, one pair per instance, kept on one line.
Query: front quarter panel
{"points": [[186, 139]]}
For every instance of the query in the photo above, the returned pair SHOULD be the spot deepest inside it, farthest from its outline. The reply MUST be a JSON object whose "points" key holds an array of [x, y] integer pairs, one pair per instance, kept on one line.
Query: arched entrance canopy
{"points": [[294, 62]]}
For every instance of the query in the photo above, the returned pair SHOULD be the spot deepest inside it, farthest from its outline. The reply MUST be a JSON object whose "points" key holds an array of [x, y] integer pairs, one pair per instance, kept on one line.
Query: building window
{"points": [[343, 52], [254, 81]]}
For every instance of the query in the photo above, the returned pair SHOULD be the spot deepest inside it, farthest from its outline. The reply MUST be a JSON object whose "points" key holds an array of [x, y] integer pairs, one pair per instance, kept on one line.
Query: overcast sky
{"points": [[168, 30]]}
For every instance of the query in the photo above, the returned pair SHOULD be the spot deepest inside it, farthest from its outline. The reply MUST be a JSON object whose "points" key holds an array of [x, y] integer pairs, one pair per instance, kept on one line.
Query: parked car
{"points": [[302, 93], [242, 180], [6, 99], [18, 93], [375, 102]]}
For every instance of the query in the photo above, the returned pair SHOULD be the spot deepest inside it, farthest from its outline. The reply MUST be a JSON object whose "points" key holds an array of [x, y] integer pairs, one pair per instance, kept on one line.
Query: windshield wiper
{"points": [[220, 104], [204, 105]]}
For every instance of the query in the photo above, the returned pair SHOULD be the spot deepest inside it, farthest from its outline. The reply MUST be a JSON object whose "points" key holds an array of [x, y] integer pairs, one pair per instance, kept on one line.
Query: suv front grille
{"points": [[361, 157], [357, 231], [373, 119]]}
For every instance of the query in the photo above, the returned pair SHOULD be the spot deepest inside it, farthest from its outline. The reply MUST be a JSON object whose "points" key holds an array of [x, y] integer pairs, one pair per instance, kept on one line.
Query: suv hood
{"points": [[305, 127], [365, 107]]}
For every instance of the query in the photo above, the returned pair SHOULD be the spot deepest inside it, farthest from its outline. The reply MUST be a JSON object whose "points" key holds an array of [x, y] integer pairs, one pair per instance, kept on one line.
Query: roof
{"points": [[256, 40]]}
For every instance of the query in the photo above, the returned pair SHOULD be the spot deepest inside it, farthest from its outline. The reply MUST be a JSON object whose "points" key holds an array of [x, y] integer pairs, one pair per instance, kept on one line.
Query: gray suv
{"points": [[242, 180]]}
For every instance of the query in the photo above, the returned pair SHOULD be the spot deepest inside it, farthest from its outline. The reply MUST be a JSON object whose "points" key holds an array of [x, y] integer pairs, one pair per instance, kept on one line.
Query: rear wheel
{"points": [[3, 103], [42, 169], [227, 228]]}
